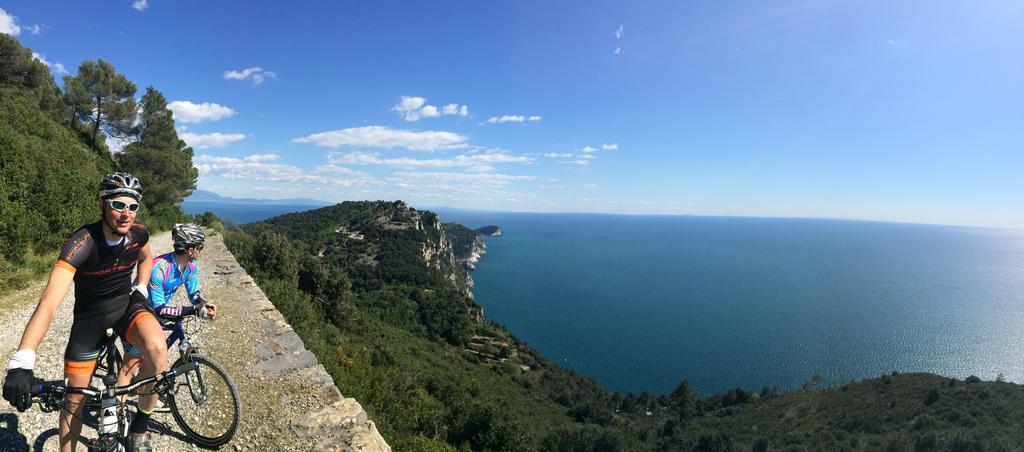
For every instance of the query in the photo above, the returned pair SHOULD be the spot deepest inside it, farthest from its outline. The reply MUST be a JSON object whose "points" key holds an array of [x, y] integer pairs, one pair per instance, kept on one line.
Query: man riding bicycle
{"points": [[171, 271], [99, 258]]}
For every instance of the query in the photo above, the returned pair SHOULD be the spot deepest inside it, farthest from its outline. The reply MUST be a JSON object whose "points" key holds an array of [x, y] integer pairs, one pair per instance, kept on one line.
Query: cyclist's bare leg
{"points": [[148, 337], [128, 369], [71, 416]]}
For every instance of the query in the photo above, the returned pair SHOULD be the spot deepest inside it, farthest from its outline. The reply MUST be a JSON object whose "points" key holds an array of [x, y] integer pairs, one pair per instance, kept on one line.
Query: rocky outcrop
{"points": [[490, 230], [467, 248]]}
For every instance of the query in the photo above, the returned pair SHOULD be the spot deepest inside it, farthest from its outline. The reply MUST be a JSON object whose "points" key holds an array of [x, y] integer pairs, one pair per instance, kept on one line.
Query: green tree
{"points": [[684, 402], [18, 68], [99, 96], [20, 72], [161, 160]]}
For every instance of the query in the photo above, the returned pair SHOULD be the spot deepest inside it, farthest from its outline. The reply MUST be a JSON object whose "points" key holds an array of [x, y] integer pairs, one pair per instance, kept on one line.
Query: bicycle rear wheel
{"points": [[205, 402]]}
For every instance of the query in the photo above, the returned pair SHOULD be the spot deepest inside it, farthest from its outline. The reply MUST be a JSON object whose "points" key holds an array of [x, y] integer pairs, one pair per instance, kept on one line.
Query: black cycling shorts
{"points": [[88, 333]]}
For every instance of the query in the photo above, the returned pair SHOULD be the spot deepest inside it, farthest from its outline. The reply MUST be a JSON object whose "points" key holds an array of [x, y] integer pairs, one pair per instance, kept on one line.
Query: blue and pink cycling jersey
{"points": [[164, 283], [167, 278]]}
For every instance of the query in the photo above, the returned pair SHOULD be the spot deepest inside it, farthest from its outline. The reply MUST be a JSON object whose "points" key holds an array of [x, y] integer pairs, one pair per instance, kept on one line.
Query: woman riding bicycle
{"points": [[171, 271]]}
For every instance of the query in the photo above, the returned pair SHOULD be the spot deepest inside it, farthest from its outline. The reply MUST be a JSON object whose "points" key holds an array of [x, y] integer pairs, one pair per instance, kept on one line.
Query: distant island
{"points": [[205, 196], [491, 230], [244, 210]]}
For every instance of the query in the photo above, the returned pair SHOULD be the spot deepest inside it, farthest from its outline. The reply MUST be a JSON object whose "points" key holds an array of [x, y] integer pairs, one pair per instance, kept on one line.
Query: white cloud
{"points": [[491, 179], [263, 157], [480, 169], [413, 108], [41, 59], [512, 118], [618, 36], [355, 158], [610, 147], [257, 74], [236, 75], [588, 149], [555, 155], [37, 28], [578, 162], [140, 5], [265, 75], [56, 67], [331, 168], [505, 118], [429, 111], [386, 138], [9, 24], [589, 185], [264, 168], [115, 145], [455, 109], [588, 156], [211, 140], [254, 167], [464, 160], [187, 112]]}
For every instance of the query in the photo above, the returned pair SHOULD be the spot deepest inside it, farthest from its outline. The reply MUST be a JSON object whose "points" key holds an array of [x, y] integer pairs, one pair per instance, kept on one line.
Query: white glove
{"points": [[141, 288], [23, 359]]}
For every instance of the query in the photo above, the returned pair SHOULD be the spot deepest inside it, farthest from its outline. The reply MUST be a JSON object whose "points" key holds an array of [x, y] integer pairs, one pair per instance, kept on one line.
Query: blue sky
{"points": [[868, 110]]}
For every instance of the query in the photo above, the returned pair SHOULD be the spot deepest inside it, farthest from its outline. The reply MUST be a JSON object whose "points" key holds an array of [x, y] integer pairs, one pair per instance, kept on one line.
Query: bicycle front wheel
{"points": [[205, 402]]}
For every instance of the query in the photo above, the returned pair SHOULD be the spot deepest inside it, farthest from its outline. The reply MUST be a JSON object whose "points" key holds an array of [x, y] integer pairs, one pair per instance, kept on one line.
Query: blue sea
{"points": [[239, 213], [641, 303]]}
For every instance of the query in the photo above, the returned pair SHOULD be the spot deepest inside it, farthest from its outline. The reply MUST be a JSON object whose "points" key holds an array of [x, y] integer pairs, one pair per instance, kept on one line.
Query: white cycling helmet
{"points": [[185, 235], [120, 184]]}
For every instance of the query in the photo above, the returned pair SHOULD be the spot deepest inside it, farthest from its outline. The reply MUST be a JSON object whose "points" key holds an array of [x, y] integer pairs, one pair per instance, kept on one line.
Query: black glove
{"points": [[18, 388]]}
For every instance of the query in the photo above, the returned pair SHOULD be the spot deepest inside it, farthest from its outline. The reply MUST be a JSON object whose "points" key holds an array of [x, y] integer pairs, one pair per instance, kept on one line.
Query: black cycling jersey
{"points": [[102, 272]]}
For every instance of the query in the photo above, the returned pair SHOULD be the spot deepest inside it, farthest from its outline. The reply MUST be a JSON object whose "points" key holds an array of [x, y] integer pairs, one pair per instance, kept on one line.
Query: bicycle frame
{"points": [[51, 396], [178, 334]]}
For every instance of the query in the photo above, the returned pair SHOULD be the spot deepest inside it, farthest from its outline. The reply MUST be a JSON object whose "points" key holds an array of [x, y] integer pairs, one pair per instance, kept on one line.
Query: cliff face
{"points": [[467, 247], [379, 243], [448, 248]]}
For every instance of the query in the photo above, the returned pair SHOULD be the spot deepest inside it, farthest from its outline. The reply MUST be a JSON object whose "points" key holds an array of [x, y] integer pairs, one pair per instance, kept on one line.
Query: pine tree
{"points": [[161, 160], [99, 96]]}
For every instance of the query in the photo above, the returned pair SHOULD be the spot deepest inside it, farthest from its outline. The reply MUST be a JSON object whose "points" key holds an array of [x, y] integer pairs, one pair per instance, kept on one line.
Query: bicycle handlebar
{"points": [[58, 387]]}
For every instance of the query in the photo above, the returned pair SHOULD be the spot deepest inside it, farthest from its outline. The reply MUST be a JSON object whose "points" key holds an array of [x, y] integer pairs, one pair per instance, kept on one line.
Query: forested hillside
{"points": [[53, 154], [370, 288]]}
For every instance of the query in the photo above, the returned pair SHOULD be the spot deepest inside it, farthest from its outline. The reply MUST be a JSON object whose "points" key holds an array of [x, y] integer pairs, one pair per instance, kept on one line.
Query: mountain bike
{"points": [[204, 403], [112, 419]]}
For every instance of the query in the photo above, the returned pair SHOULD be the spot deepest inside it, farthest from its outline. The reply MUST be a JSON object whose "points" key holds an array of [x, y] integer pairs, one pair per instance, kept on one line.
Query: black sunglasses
{"points": [[119, 206]]}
